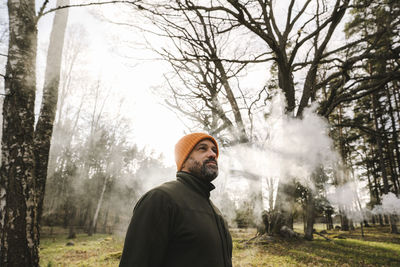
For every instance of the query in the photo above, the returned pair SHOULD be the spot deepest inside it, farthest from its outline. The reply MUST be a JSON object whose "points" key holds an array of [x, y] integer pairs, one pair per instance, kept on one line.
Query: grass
{"points": [[96, 250], [377, 248]]}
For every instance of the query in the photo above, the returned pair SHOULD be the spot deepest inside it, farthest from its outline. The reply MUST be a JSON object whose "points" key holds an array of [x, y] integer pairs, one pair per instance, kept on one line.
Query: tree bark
{"points": [[375, 103], [329, 220], [344, 221], [18, 234], [283, 212], [99, 203], [310, 216], [71, 223], [395, 139], [24, 151], [44, 126]]}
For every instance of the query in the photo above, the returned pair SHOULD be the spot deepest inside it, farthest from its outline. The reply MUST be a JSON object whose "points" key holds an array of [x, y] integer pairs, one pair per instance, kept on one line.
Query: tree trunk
{"points": [[344, 221], [106, 221], [328, 219], [71, 222], [392, 219], [396, 96], [395, 139], [380, 218], [310, 216], [377, 185], [386, 219], [283, 207], [24, 150], [44, 126], [286, 83], [18, 233], [99, 203]]}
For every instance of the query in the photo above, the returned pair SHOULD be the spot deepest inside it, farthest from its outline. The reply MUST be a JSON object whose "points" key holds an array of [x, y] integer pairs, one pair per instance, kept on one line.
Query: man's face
{"points": [[202, 161]]}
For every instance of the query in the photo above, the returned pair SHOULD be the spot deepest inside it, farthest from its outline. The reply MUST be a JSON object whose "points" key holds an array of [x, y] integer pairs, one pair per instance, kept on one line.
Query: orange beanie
{"points": [[186, 144]]}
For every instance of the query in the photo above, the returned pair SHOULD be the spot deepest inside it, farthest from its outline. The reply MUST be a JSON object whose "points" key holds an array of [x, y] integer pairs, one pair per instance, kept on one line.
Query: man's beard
{"points": [[204, 170]]}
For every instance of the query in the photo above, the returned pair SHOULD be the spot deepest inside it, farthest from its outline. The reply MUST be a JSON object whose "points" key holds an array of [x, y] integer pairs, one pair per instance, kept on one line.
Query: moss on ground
{"points": [[377, 248]]}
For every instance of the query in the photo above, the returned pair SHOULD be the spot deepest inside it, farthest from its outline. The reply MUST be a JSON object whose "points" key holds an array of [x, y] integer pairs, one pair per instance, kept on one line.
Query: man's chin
{"points": [[211, 174]]}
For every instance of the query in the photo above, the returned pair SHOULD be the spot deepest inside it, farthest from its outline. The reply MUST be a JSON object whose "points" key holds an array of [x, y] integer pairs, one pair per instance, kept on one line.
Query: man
{"points": [[176, 224]]}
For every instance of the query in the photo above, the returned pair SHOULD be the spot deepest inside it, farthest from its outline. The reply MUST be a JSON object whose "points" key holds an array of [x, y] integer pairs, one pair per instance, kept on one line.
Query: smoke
{"points": [[297, 146], [390, 205], [291, 148], [347, 198]]}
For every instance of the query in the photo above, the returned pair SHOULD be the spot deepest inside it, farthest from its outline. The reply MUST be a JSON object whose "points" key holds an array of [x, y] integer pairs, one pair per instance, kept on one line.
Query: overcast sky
{"points": [[127, 71]]}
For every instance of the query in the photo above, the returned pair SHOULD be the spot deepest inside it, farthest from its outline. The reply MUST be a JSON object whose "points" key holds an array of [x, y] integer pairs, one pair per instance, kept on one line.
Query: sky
{"points": [[133, 72], [129, 73]]}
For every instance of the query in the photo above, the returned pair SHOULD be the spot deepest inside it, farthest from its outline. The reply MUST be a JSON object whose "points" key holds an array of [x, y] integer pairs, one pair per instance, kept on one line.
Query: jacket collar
{"points": [[197, 184]]}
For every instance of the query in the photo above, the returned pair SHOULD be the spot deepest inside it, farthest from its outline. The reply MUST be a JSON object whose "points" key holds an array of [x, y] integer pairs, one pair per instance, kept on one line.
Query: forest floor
{"points": [[377, 248]]}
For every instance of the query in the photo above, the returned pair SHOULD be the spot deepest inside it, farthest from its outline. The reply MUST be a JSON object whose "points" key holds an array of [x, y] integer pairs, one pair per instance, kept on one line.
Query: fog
{"points": [[291, 148]]}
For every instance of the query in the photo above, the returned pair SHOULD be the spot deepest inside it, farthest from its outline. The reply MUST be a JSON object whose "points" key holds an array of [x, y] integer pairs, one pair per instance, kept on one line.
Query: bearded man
{"points": [[176, 224]]}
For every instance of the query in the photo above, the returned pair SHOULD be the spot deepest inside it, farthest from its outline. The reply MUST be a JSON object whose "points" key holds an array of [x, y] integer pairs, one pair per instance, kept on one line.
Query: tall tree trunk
{"points": [[344, 221], [396, 97], [395, 140], [339, 180], [24, 150], [283, 212], [44, 126], [375, 103], [106, 221], [310, 216], [329, 220], [71, 223], [99, 203], [377, 185], [18, 233]]}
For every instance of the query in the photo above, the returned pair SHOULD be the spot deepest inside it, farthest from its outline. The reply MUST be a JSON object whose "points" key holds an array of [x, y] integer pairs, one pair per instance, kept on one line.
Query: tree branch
{"points": [[89, 4], [40, 13], [364, 129]]}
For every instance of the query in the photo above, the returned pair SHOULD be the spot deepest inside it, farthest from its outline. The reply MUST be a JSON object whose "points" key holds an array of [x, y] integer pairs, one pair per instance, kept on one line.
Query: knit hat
{"points": [[186, 144]]}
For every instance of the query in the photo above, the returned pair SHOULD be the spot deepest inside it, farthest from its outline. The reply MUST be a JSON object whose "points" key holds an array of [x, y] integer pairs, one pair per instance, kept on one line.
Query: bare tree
{"points": [[300, 43], [206, 64]]}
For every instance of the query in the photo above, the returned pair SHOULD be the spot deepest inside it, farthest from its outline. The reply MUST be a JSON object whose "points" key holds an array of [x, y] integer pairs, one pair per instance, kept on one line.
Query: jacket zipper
{"points": [[223, 244]]}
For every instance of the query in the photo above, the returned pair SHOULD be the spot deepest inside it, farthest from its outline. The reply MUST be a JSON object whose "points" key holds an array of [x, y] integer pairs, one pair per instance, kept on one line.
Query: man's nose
{"points": [[212, 154]]}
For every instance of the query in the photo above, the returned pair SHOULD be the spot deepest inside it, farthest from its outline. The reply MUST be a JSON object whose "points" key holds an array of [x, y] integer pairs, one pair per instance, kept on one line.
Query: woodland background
{"points": [[303, 97]]}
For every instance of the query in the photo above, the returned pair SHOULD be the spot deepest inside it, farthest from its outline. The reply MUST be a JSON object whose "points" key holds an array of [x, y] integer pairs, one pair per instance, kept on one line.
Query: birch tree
{"points": [[25, 148]]}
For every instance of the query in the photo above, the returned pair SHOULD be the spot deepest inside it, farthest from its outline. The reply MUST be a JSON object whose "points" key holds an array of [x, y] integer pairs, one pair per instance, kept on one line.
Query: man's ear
{"points": [[183, 165]]}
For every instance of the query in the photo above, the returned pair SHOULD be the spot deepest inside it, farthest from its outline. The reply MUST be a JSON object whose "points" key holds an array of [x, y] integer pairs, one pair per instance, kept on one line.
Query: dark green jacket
{"points": [[176, 225]]}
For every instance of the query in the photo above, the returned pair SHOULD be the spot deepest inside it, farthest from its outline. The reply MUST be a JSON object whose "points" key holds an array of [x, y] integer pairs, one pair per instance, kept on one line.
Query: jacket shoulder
{"points": [[178, 193], [171, 188]]}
